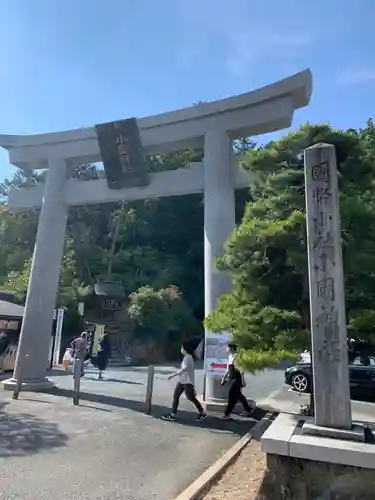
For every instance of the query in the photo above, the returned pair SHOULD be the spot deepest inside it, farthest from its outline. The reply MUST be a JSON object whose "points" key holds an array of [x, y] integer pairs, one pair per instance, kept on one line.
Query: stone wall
{"points": [[296, 479]]}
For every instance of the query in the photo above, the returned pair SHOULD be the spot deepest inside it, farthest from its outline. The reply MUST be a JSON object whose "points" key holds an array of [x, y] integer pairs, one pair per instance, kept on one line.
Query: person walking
{"points": [[78, 351], [88, 351], [100, 361], [4, 343], [185, 384], [236, 383]]}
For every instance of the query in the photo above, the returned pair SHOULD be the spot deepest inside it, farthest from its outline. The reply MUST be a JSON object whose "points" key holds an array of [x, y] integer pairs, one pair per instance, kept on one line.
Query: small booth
{"points": [[11, 315]]}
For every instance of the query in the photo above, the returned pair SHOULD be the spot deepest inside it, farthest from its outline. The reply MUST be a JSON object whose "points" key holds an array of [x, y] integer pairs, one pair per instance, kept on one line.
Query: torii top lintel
{"points": [[263, 110]]}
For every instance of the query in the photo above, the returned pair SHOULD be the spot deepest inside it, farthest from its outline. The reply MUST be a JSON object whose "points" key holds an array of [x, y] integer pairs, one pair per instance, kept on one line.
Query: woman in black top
{"points": [[236, 383], [101, 359]]}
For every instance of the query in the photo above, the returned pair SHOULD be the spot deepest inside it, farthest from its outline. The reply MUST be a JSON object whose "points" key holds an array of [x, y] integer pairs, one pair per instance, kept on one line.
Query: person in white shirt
{"points": [[186, 381]]}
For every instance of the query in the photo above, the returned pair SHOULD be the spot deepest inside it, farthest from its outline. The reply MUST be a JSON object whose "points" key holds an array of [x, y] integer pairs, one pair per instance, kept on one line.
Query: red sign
{"points": [[216, 366]]}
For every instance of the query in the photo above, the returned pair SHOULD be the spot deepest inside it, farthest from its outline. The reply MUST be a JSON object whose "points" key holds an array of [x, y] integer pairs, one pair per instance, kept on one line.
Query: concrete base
{"points": [[216, 392], [285, 437], [288, 478], [356, 433], [302, 466], [32, 386]]}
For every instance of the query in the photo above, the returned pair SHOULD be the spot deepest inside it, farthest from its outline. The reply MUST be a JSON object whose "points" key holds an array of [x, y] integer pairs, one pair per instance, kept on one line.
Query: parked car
{"points": [[304, 357], [361, 377]]}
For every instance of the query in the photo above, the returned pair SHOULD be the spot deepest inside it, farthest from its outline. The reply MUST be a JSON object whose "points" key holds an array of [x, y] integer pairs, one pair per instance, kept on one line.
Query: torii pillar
{"points": [[213, 125], [219, 224]]}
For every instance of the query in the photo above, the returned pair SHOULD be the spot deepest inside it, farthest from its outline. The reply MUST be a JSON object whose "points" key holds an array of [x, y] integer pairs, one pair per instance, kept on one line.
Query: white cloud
{"points": [[355, 76], [236, 31], [247, 47]]}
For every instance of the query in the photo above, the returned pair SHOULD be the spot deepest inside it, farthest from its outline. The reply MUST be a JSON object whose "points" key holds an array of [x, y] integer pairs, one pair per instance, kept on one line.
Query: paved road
{"points": [[266, 388], [107, 448], [130, 383], [284, 399]]}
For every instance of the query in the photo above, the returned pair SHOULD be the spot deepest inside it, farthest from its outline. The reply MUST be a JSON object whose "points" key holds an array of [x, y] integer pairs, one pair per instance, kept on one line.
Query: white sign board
{"points": [[58, 331], [81, 308], [216, 352]]}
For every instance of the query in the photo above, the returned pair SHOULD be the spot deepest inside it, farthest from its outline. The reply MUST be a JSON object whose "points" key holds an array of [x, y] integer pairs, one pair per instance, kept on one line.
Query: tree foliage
{"points": [[159, 248], [158, 255], [161, 314], [268, 310]]}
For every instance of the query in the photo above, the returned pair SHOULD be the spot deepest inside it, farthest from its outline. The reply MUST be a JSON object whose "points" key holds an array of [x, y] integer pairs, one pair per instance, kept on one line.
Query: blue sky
{"points": [[73, 63]]}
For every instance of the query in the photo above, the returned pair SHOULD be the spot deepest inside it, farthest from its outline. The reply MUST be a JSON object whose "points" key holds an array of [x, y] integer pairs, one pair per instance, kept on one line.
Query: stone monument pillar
{"points": [[35, 335], [219, 223], [326, 281]]}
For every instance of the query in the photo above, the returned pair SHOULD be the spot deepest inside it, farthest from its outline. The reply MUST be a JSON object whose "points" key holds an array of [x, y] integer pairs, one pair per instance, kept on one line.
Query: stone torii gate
{"points": [[212, 126]]}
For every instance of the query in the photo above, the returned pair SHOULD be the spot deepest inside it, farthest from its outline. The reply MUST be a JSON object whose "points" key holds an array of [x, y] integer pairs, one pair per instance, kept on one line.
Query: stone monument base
{"points": [[32, 386], [302, 466], [356, 433]]}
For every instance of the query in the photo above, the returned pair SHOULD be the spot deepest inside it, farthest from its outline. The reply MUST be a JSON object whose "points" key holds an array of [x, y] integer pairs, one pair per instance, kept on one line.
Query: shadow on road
{"points": [[165, 370], [120, 381], [59, 373], [24, 434], [184, 417]]}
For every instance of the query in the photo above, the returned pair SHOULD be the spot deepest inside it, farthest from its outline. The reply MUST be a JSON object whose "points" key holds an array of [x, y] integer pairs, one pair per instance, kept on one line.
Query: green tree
{"points": [[70, 292], [159, 242], [163, 316], [17, 237], [16, 282], [268, 310]]}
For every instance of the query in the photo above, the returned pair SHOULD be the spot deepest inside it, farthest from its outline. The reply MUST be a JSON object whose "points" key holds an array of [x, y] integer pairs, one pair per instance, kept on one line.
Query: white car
{"points": [[304, 357]]}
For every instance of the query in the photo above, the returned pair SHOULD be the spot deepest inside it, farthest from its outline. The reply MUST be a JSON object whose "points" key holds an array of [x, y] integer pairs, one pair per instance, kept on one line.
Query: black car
{"points": [[361, 377]]}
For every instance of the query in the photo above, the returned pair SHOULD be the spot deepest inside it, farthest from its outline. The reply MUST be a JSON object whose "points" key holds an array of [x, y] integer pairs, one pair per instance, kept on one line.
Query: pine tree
{"points": [[268, 309]]}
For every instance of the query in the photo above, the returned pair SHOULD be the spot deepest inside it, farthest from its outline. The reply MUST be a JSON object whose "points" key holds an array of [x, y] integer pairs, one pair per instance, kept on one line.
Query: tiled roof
{"points": [[10, 309]]}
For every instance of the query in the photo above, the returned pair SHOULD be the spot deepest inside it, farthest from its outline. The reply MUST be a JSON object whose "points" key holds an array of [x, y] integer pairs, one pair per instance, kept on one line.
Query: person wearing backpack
{"points": [[237, 381]]}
